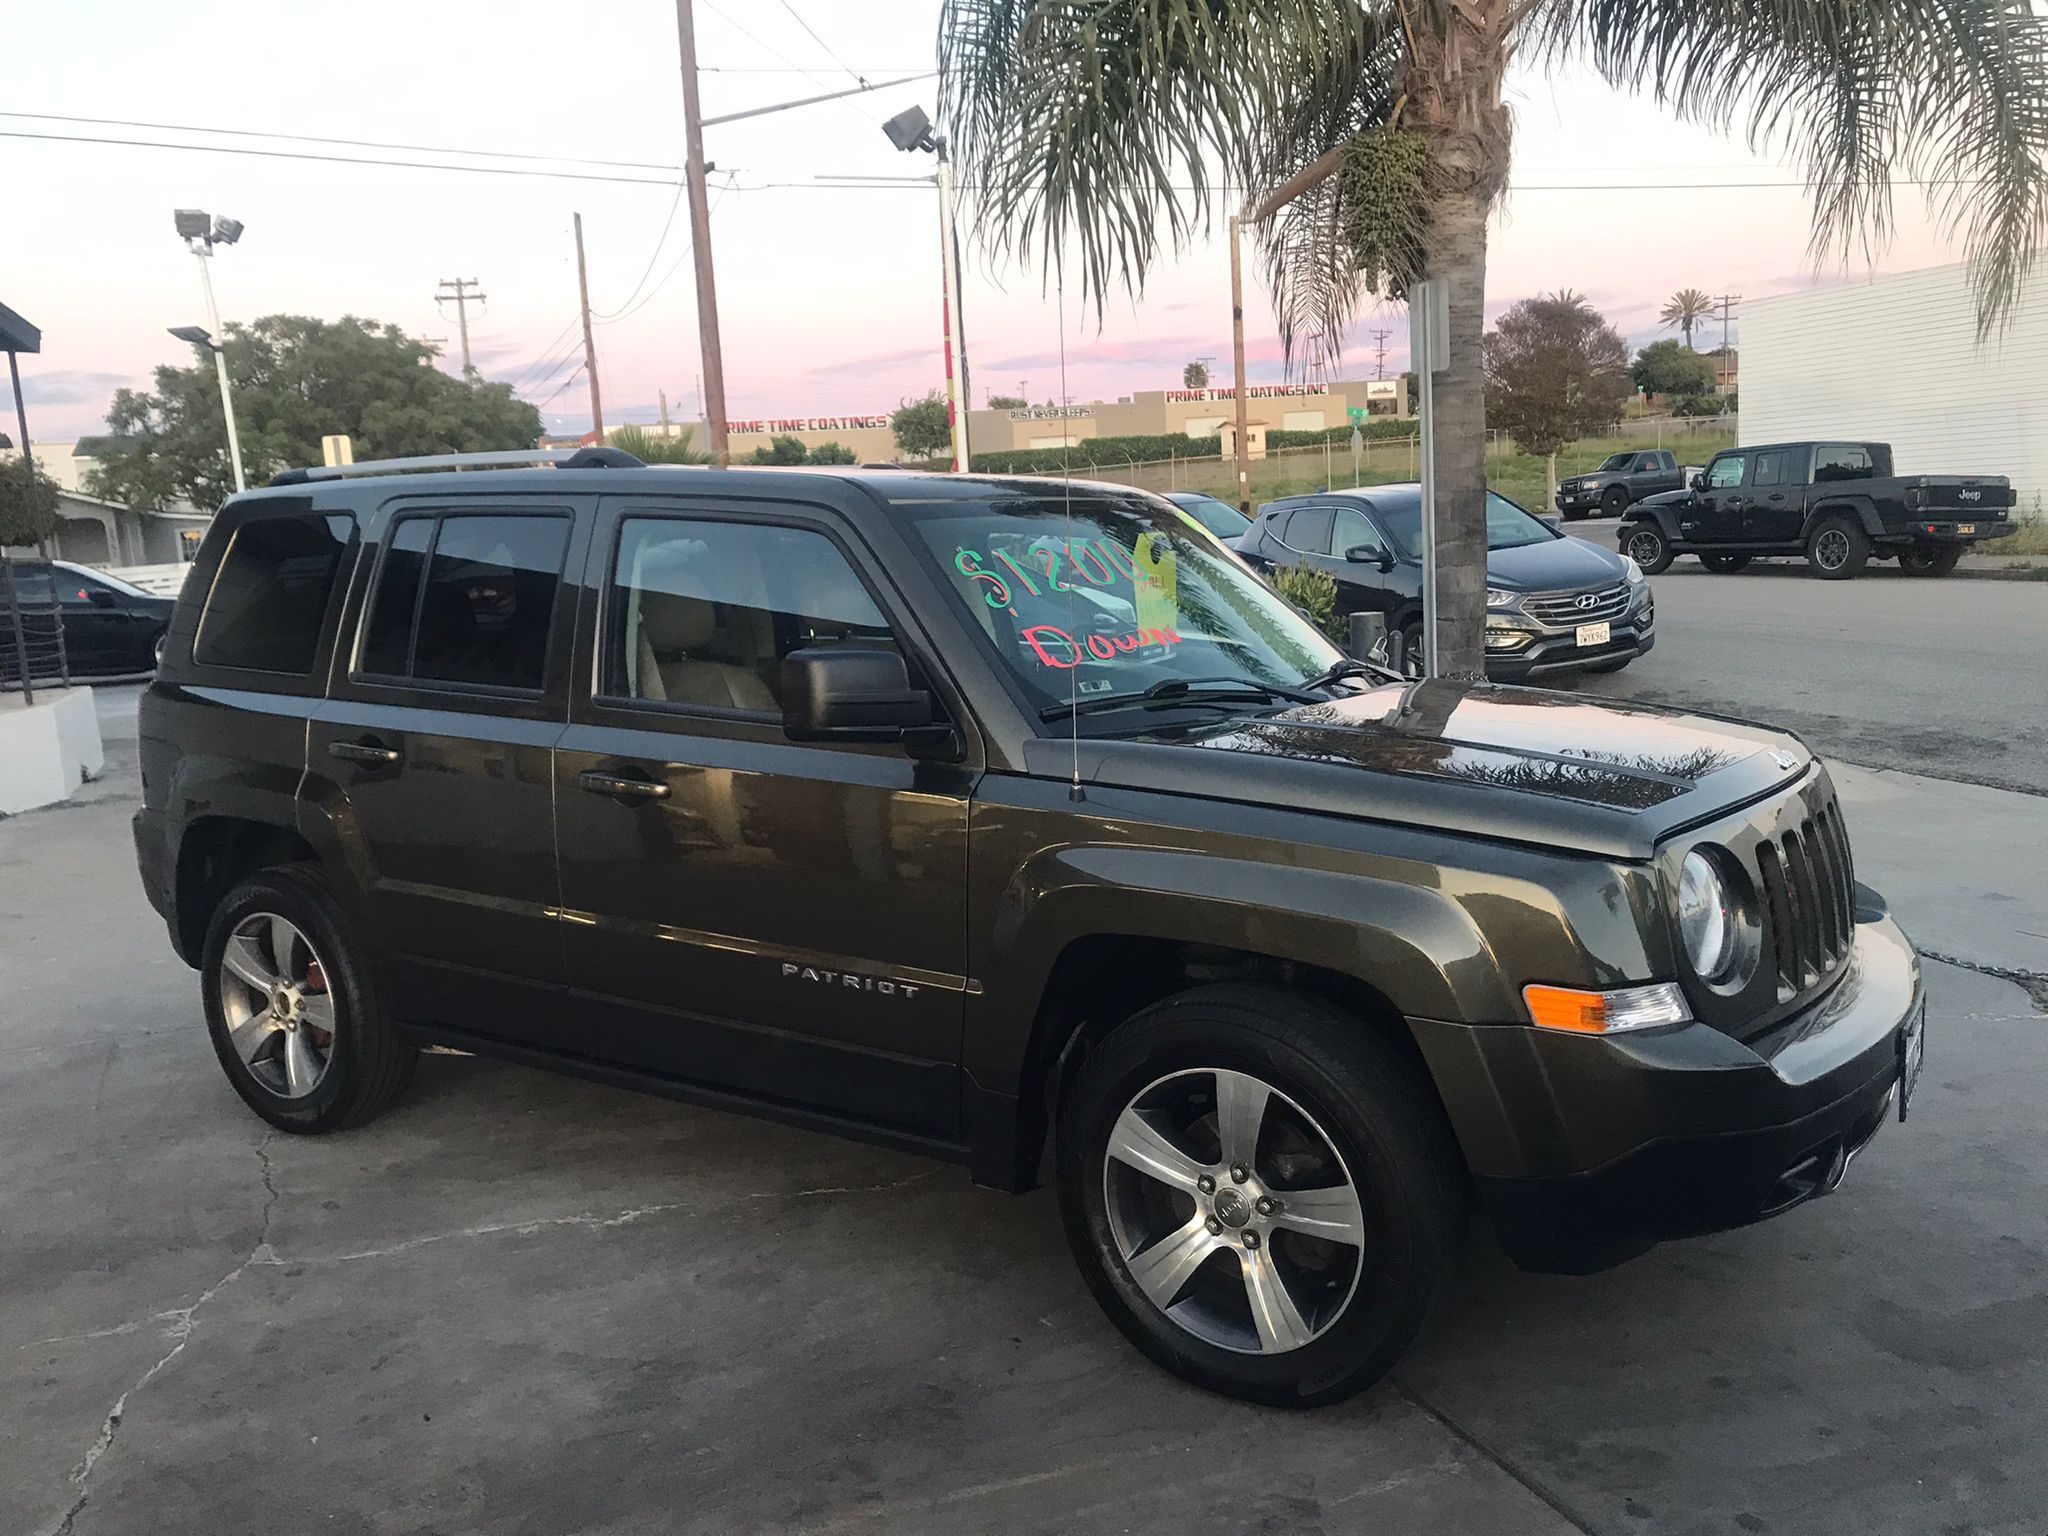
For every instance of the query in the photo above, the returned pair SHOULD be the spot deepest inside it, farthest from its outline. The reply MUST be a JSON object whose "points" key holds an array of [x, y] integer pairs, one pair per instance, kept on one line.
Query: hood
{"points": [[1667, 499], [1517, 764], [1553, 565]]}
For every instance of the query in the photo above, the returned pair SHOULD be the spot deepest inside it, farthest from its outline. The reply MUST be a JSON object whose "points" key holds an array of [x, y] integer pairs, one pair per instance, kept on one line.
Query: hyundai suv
{"points": [[982, 817]]}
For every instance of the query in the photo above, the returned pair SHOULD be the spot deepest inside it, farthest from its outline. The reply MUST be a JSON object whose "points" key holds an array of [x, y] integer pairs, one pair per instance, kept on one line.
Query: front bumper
{"points": [[1572, 501], [1588, 1150], [1557, 649]]}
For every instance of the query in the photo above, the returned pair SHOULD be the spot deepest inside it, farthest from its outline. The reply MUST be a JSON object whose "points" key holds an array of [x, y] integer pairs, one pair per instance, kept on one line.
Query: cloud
{"points": [[1164, 352], [876, 360], [72, 386]]}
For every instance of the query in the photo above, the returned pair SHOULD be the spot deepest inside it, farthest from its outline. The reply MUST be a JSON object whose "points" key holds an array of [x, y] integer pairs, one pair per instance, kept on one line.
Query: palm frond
{"points": [[1112, 127], [1953, 93]]}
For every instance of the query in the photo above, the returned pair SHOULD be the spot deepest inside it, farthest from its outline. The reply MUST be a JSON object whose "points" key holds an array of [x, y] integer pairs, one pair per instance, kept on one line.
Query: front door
{"points": [[434, 758], [1716, 514], [784, 919], [1363, 586], [1774, 508]]}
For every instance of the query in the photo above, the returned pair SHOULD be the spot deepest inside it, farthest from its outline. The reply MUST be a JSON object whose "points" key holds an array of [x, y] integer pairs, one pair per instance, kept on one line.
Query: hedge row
{"points": [[1099, 453], [1372, 428]]}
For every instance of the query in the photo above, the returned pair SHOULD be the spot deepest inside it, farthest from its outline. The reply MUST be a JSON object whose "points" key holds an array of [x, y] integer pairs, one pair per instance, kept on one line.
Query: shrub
{"points": [[1098, 453], [1698, 405], [1312, 591], [831, 453]]}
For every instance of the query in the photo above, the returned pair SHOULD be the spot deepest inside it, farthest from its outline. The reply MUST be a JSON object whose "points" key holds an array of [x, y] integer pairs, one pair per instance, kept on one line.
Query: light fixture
{"points": [[197, 335], [226, 231], [910, 129], [194, 223]]}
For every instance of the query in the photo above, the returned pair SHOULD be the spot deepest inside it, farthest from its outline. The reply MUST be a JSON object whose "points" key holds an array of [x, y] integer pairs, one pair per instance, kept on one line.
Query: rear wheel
{"points": [[1261, 1192], [1721, 564], [1837, 549], [1646, 545], [294, 1017], [1411, 648], [1930, 559], [1613, 501]]}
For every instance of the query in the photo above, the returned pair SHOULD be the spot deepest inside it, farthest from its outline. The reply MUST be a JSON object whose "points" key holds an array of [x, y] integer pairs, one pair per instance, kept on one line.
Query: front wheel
{"points": [[1646, 545], [1261, 1192], [1613, 501], [1930, 559], [294, 1016], [1724, 564]]}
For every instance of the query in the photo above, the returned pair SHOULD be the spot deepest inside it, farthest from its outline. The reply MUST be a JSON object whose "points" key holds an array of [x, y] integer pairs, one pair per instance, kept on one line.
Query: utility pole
{"points": [[664, 411], [1244, 452], [1726, 302], [700, 240], [589, 345], [461, 290], [1379, 361]]}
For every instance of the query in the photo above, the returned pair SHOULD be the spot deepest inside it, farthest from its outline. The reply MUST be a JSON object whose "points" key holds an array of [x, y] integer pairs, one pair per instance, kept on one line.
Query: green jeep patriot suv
{"points": [[1015, 823]]}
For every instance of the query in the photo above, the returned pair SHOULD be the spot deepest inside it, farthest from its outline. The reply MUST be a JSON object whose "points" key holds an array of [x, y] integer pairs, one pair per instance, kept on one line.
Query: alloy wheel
{"points": [[1831, 549], [278, 1010], [1233, 1211], [1643, 548]]}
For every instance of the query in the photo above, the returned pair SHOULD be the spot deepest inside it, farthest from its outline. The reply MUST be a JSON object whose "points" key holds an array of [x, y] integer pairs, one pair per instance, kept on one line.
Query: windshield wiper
{"points": [[1352, 667], [1178, 693]]}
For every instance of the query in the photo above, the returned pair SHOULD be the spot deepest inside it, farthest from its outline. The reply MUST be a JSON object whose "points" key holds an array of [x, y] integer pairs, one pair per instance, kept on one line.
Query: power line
{"points": [[797, 17], [652, 256], [778, 53]]}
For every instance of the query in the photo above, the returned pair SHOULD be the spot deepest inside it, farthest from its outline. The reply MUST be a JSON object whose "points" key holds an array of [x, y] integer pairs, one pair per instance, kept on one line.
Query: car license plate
{"points": [[1912, 1055], [1592, 634], [1966, 527]]}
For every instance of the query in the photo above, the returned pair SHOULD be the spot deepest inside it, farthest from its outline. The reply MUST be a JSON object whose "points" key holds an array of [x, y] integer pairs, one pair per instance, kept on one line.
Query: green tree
{"points": [[922, 427], [28, 505], [1195, 375], [1668, 368], [1007, 402], [831, 453], [296, 380], [1555, 371], [780, 449], [651, 448], [1686, 309], [1373, 138]]}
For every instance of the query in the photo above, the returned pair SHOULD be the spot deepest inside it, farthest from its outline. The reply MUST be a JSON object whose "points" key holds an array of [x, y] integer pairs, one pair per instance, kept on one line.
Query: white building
{"points": [[1897, 360], [94, 531]]}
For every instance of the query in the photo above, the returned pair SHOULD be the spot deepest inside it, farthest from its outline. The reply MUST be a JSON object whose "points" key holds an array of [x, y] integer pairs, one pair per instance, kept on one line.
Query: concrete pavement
{"points": [[524, 1304]]}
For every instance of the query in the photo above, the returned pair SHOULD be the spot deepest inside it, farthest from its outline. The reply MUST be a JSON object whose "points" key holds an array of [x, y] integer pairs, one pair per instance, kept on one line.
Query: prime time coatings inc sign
{"points": [[1252, 392], [765, 425]]}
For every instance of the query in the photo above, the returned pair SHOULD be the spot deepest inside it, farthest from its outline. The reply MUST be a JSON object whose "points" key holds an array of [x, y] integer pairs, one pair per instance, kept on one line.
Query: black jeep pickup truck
{"points": [[1621, 480], [1837, 504], [979, 816]]}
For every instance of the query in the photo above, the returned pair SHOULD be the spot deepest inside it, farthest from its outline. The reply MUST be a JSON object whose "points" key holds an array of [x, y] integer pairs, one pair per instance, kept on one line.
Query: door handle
{"points": [[1734, 501], [372, 752], [1775, 496], [623, 786]]}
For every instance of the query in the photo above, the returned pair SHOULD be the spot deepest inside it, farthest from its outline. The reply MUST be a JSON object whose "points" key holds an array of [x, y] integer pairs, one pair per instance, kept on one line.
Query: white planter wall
{"points": [[48, 751]]}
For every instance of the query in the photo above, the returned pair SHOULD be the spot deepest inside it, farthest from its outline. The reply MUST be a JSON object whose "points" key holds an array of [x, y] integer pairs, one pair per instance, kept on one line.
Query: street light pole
{"points": [[200, 233], [956, 357]]}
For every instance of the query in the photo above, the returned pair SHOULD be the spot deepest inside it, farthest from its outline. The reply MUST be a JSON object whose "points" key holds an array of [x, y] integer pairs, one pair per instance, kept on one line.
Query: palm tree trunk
{"points": [[1458, 257]]}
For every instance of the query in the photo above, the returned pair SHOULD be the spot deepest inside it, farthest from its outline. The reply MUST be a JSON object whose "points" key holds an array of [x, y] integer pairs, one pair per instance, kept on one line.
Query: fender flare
{"points": [[1857, 508]]}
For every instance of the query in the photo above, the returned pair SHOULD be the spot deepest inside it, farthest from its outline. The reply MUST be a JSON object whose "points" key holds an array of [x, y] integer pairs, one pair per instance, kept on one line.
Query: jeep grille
{"points": [[1806, 883]]}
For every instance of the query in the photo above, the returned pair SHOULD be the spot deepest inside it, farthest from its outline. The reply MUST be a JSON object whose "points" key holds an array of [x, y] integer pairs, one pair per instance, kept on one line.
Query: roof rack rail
{"points": [[556, 458]]}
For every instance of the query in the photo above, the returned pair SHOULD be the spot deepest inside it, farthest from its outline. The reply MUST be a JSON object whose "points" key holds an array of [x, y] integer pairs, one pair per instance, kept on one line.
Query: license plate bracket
{"points": [[1592, 634], [1912, 1057]]}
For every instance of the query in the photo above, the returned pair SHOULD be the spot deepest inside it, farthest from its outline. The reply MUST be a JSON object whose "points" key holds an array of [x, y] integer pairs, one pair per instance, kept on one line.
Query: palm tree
{"points": [[1369, 141], [1686, 309], [652, 449]]}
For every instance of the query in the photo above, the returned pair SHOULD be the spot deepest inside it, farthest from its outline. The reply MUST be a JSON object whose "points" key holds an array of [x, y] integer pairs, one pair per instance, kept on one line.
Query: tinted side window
{"points": [[387, 647], [1308, 530], [487, 599], [702, 613], [33, 583], [1726, 472], [1353, 529], [271, 593], [1770, 469], [1841, 461]]}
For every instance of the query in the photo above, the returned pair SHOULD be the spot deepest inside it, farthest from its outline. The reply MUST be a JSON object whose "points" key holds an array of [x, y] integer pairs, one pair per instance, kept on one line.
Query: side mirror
{"points": [[100, 597], [1369, 554], [833, 693], [1551, 520], [1699, 481]]}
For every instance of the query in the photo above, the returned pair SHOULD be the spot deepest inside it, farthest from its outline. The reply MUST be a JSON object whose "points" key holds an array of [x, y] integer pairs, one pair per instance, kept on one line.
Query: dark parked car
{"points": [[1219, 517], [1554, 604], [825, 797], [110, 627], [1837, 504], [1621, 479]]}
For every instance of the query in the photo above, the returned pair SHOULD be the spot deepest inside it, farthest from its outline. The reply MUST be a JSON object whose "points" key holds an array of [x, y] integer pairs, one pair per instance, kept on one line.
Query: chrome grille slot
{"points": [[1806, 883], [1554, 608]]}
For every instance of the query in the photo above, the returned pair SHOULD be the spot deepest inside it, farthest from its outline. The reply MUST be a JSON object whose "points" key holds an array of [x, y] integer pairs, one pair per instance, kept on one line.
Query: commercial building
{"points": [[94, 531], [1193, 413], [1898, 360]]}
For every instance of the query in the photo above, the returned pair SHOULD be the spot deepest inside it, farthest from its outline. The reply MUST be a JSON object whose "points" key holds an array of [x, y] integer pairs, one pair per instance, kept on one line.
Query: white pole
{"points": [[956, 361], [220, 359]]}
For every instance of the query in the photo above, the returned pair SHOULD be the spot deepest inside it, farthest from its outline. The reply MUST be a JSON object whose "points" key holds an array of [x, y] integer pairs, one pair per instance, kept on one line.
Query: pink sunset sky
{"points": [[829, 294]]}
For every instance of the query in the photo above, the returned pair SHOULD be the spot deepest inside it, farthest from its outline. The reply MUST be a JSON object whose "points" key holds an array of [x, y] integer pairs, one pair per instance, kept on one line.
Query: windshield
{"points": [[1219, 517], [1507, 525], [1106, 596], [1616, 461]]}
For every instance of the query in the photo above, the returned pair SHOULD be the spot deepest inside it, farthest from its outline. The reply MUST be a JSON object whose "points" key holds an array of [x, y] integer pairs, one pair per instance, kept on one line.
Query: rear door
{"points": [[781, 918], [433, 757], [1775, 503]]}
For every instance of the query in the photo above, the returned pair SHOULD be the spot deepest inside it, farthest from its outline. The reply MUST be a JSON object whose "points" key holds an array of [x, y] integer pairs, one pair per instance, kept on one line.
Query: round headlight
{"points": [[1706, 918]]}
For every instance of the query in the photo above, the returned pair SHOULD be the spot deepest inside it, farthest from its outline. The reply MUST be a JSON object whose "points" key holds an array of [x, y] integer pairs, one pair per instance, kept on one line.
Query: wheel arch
{"points": [[215, 855], [1857, 509]]}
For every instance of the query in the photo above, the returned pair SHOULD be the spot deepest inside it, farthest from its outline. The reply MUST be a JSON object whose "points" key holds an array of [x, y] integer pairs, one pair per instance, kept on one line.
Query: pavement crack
{"points": [[2033, 983], [1555, 1502], [181, 1323]]}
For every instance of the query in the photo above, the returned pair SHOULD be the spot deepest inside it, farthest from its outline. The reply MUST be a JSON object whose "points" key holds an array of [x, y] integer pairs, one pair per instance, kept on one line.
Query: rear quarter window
{"points": [[270, 597]]}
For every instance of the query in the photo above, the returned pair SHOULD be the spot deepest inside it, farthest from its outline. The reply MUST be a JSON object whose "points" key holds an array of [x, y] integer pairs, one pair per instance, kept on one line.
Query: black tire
{"points": [[1411, 648], [1570, 514], [1837, 549], [1645, 544], [1724, 564], [156, 650], [1367, 1098], [1614, 501], [368, 1062], [1930, 559]]}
